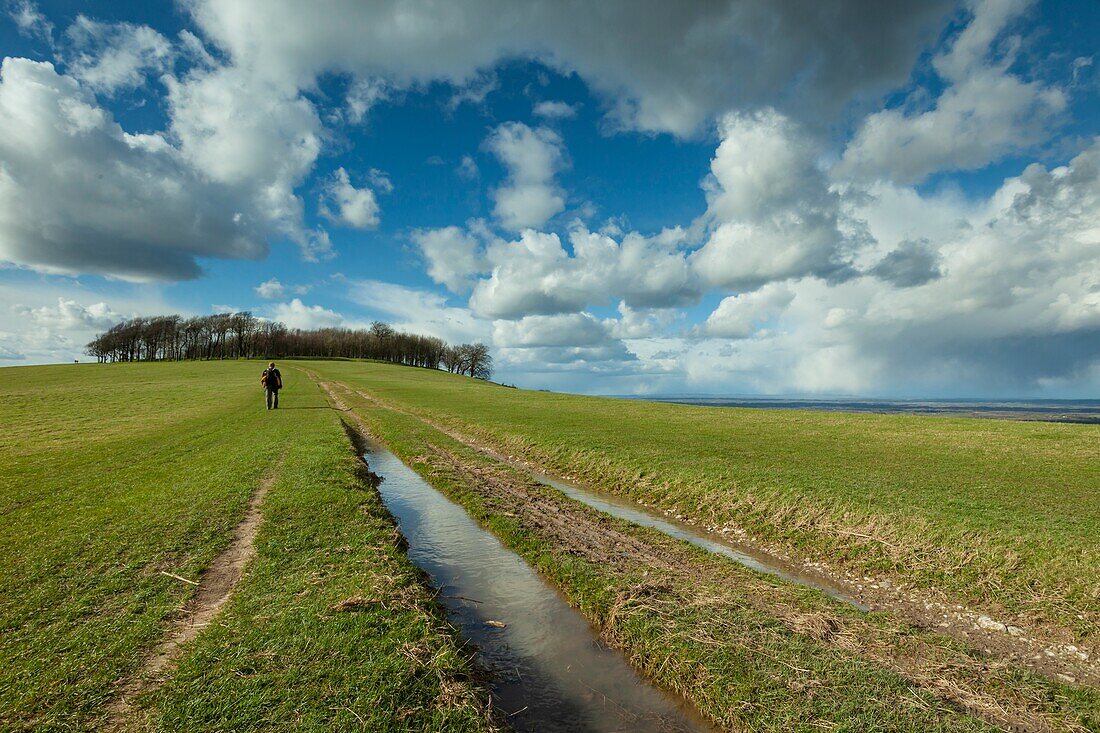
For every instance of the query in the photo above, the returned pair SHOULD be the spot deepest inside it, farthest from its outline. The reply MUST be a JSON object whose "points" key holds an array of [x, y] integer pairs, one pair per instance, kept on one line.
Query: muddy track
{"points": [[982, 686], [1044, 651], [215, 587]]}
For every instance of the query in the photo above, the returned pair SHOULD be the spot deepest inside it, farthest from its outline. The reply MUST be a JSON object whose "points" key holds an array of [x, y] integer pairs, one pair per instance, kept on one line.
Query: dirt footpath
{"points": [[214, 587]]}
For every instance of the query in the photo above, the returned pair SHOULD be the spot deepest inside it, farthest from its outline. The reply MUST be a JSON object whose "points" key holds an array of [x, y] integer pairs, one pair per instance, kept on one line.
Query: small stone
{"points": [[989, 624]]}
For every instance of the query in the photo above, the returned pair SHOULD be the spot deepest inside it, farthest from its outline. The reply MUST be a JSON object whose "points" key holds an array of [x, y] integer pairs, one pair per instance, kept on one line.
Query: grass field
{"points": [[752, 652], [111, 474], [998, 514]]}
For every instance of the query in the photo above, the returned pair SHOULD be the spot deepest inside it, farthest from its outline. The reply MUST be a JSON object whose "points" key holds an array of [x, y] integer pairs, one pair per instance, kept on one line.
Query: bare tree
{"points": [[242, 335], [450, 359], [480, 362]]}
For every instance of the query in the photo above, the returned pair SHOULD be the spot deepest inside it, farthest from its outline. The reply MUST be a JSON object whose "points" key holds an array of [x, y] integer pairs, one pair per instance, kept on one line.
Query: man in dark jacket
{"points": [[272, 382]]}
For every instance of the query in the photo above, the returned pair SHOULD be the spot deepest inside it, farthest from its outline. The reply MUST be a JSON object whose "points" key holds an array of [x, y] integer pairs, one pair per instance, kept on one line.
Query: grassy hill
{"points": [[999, 513], [850, 493], [121, 484], [113, 475]]}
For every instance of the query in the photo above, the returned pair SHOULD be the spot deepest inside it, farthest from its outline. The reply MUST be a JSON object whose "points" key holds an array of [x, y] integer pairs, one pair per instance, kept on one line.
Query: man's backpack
{"points": [[270, 378]]}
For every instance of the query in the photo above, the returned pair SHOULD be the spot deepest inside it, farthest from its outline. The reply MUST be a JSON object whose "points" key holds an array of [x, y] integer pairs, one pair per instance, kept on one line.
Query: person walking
{"points": [[272, 381]]}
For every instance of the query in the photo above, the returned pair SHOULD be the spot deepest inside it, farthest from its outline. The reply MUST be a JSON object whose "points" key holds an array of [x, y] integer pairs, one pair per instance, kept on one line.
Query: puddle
{"points": [[709, 541], [549, 670]]}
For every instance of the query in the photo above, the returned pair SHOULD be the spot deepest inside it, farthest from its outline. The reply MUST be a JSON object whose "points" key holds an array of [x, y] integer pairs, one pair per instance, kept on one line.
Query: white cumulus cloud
{"points": [[297, 314], [570, 329], [80, 194], [985, 112], [109, 57], [535, 274], [1007, 300], [261, 138], [452, 254], [345, 204], [739, 316], [529, 196], [69, 315], [574, 339], [271, 289], [47, 320], [773, 213]]}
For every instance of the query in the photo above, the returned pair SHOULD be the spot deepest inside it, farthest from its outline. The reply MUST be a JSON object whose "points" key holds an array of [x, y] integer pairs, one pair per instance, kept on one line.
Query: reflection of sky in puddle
{"points": [[624, 509], [549, 668]]}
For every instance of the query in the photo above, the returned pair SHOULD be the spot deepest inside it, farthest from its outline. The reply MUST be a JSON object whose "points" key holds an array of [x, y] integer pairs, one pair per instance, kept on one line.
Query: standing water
{"points": [[714, 542], [549, 672], [709, 541]]}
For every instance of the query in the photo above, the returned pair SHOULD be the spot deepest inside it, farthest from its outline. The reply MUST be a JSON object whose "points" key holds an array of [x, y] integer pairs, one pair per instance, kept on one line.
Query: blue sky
{"points": [[705, 198]]}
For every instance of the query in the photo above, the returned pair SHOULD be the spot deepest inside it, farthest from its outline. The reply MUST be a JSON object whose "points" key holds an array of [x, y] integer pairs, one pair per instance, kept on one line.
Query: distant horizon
{"points": [[865, 398], [673, 396], [1078, 411]]}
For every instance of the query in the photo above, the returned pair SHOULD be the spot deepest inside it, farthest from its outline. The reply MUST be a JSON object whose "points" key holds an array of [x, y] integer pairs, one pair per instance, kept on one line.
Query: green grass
{"points": [[702, 634], [111, 474], [1000, 514]]}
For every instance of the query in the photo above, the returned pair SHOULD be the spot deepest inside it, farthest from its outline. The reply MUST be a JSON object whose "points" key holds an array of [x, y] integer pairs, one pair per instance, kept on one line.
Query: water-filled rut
{"points": [[549, 671], [635, 513], [709, 541]]}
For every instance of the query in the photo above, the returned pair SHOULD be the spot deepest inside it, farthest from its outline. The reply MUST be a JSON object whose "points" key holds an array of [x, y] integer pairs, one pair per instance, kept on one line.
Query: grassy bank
{"points": [[110, 475], [751, 652], [999, 515]]}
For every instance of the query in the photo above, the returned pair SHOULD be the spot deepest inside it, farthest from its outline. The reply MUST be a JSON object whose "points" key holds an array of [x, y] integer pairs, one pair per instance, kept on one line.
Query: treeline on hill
{"points": [[243, 336]]}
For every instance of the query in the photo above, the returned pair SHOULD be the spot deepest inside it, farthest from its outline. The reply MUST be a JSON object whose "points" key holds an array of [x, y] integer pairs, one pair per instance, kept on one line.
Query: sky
{"points": [[706, 197]]}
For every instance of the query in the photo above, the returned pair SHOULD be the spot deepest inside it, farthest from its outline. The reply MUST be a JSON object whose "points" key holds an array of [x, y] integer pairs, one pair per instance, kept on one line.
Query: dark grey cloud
{"points": [[660, 66], [912, 263], [935, 358]]}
